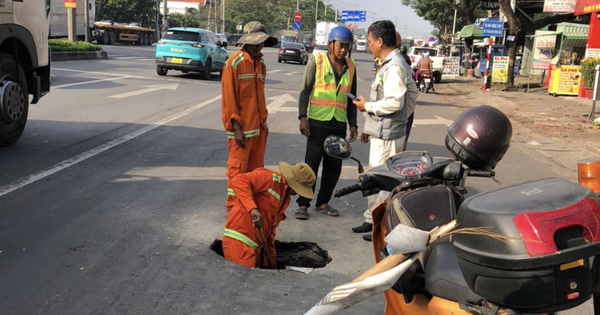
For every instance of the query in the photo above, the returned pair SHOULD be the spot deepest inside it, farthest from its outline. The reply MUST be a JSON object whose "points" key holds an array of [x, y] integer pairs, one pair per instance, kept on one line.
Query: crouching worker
{"points": [[262, 198]]}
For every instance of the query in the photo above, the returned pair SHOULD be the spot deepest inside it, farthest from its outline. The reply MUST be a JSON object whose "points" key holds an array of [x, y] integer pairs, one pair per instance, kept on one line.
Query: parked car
{"points": [[293, 52], [320, 49], [190, 50], [439, 63]]}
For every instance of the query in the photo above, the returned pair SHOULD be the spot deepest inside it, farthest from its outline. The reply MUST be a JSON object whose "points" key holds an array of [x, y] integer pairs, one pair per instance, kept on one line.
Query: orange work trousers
{"points": [[242, 254], [244, 160]]}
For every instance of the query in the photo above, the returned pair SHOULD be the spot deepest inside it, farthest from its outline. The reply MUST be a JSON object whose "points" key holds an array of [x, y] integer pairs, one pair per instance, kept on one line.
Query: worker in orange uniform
{"points": [[263, 196], [244, 110]]}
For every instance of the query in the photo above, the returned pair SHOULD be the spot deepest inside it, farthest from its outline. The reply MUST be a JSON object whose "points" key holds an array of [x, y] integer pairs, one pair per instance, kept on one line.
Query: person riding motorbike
{"points": [[424, 66]]}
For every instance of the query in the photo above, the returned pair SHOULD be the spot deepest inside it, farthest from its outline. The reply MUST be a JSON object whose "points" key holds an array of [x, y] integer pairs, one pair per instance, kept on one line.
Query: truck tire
{"points": [[105, 38], [113, 37], [437, 77], [140, 40], [150, 39], [15, 100], [145, 39]]}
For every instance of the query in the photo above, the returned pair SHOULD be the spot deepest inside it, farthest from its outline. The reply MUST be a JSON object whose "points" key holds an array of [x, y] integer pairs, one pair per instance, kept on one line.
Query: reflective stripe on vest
{"points": [[275, 194], [276, 178], [248, 134], [327, 99], [240, 237], [230, 192]]}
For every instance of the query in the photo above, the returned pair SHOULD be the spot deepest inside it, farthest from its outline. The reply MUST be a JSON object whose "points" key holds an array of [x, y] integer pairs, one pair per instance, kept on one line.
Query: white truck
{"points": [[59, 18], [24, 63], [439, 63], [322, 31]]}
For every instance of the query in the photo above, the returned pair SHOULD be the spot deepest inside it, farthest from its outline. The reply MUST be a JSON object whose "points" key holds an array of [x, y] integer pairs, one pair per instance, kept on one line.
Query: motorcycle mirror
{"points": [[337, 147]]}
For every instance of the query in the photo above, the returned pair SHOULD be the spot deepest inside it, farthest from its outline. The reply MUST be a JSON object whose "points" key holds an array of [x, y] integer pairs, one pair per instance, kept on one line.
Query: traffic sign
{"points": [[70, 4], [297, 25], [354, 16], [297, 17], [493, 28]]}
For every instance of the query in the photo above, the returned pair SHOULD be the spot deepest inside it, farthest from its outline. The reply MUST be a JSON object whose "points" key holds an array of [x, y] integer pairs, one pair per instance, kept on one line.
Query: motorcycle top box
{"points": [[548, 261]]}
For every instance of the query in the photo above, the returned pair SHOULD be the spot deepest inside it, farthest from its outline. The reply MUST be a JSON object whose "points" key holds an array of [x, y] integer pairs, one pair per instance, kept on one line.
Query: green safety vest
{"points": [[328, 100]]}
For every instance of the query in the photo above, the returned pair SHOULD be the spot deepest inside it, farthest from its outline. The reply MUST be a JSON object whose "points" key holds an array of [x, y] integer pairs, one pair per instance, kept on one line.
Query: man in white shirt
{"points": [[393, 99]]}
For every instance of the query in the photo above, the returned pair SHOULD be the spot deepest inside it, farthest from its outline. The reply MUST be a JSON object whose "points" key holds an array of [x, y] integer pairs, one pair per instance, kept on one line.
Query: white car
{"points": [[362, 45], [439, 63], [320, 49]]}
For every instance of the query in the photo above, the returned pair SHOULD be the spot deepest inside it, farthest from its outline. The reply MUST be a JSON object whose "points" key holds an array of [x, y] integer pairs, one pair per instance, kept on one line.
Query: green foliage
{"points": [[440, 13], [127, 11], [59, 45], [588, 70], [184, 20]]}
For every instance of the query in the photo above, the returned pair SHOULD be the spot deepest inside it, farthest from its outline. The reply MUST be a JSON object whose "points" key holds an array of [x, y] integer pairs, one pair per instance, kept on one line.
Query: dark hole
{"points": [[296, 254], [569, 237]]}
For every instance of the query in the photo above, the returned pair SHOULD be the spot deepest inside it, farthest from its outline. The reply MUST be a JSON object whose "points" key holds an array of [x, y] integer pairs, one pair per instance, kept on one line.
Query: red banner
{"points": [[587, 6], [70, 4]]}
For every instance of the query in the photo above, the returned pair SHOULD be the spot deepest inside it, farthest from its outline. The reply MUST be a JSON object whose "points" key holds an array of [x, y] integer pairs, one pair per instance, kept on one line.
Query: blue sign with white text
{"points": [[354, 16], [493, 28]]}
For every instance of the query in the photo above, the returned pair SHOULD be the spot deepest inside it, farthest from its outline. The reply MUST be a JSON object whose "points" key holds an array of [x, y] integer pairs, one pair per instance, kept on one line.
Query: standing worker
{"points": [[263, 195], [244, 109], [391, 95], [324, 109]]}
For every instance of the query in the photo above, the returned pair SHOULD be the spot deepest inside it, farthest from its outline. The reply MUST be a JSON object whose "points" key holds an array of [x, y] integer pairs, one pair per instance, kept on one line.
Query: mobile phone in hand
{"points": [[351, 96]]}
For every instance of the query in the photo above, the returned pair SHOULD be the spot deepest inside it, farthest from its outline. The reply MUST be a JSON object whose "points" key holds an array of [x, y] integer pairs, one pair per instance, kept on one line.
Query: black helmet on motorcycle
{"points": [[480, 137]]}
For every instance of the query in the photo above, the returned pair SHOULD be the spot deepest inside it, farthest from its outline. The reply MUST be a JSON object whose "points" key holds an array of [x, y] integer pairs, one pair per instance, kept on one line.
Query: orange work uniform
{"points": [[266, 191], [243, 90]]}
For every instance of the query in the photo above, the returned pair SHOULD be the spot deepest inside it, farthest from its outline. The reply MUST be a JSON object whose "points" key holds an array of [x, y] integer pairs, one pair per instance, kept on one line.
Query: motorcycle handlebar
{"points": [[347, 190], [476, 173]]}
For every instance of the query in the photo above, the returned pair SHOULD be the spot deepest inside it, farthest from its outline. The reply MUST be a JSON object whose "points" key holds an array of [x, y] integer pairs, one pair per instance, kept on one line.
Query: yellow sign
{"points": [[565, 80], [71, 4], [500, 70]]}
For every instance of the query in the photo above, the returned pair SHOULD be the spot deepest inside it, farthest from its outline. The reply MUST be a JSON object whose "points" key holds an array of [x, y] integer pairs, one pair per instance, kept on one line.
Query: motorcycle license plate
{"points": [[428, 80], [176, 60]]}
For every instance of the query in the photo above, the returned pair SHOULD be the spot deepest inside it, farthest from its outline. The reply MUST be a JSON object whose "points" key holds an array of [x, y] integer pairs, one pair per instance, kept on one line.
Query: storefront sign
{"points": [[70, 4], [500, 70], [452, 67], [565, 80], [543, 50], [556, 6], [587, 6], [592, 53]]}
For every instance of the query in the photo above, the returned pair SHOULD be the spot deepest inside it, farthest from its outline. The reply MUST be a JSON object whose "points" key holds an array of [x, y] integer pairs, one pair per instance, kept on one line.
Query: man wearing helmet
{"points": [[324, 110], [425, 65], [393, 96]]}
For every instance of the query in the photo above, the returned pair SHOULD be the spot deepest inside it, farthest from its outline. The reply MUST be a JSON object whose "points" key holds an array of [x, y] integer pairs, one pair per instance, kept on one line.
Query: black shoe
{"points": [[367, 237], [364, 228]]}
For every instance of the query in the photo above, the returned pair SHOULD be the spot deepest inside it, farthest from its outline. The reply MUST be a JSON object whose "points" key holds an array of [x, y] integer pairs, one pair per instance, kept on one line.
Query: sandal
{"points": [[301, 214], [329, 210]]}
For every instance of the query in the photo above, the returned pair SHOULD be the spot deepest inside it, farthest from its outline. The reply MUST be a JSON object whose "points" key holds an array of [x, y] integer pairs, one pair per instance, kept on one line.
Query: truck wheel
{"points": [[145, 39], [14, 100], [438, 78], [150, 39], [113, 37], [206, 74], [105, 38], [140, 40], [161, 71]]}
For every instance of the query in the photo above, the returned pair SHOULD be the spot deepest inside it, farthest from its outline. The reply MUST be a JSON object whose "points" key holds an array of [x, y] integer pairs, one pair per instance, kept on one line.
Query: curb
{"points": [[79, 55]]}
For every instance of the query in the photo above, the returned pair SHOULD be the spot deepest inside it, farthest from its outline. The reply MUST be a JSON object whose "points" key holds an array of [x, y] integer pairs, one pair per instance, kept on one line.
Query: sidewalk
{"points": [[556, 128]]}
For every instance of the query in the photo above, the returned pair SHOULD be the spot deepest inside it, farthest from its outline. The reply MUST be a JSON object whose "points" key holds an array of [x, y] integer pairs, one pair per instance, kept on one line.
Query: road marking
{"points": [[279, 101], [292, 73], [148, 89], [437, 121], [97, 150], [99, 73], [89, 82], [273, 71]]}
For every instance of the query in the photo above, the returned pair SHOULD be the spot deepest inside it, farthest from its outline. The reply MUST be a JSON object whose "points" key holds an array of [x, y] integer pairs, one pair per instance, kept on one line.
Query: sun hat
{"points": [[255, 34], [299, 177]]}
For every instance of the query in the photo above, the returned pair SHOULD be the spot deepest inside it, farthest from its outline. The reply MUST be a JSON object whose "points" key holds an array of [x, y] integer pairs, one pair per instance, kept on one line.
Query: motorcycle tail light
{"points": [[537, 228], [589, 174]]}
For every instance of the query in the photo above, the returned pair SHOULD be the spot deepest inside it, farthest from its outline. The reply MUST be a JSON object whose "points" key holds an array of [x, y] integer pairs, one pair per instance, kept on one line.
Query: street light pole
{"points": [[316, 12], [165, 13], [157, 19], [223, 16], [86, 25]]}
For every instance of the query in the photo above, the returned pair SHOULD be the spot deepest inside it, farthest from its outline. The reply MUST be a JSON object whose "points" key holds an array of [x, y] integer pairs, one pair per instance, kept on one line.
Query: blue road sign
{"points": [[363, 16], [344, 16], [297, 25], [493, 28], [354, 16]]}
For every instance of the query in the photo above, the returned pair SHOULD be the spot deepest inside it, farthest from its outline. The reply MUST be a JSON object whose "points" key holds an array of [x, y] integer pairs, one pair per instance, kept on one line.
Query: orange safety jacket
{"points": [[243, 90], [261, 189]]}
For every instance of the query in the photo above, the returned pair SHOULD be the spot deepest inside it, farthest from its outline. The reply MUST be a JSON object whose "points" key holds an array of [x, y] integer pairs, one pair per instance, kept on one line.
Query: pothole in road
{"points": [[296, 254]]}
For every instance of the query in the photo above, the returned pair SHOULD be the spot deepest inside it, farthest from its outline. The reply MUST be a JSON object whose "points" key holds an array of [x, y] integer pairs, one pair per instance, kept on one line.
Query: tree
{"points": [[514, 27], [127, 11], [440, 13], [184, 20]]}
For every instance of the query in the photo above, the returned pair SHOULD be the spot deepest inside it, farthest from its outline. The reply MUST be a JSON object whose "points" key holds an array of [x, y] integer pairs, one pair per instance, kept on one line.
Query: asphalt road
{"points": [[110, 201]]}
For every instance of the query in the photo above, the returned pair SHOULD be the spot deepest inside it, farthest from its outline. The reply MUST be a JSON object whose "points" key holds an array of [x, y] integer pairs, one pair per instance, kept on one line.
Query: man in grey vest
{"points": [[393, 98]]}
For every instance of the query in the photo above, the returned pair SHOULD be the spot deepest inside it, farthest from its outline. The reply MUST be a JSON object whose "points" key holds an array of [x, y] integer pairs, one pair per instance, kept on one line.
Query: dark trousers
{"points": [[332, 167]]}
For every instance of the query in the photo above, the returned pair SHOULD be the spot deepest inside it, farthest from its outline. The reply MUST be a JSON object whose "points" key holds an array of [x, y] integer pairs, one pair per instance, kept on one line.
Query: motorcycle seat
{"points": [[443, 277]]}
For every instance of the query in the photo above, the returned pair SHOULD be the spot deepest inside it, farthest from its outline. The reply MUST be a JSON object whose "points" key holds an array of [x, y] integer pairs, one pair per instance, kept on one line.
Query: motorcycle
{"points": [[425, 82], [545, 264]]}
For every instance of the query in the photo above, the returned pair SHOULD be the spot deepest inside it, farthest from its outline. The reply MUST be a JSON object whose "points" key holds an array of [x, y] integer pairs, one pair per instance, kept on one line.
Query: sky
{"points": [[408, 22]]}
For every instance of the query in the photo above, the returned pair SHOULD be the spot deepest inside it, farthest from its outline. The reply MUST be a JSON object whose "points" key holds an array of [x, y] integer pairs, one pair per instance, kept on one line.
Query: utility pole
{"points": [[216, 15], [316, 13], [72, 23], [157, 20], [453, 32], [223, 16], [86, 25], [336, 13], [165, 15], [208, 19]]}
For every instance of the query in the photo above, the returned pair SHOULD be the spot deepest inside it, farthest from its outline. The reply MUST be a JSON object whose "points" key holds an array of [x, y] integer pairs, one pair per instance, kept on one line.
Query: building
{"points": [[183, 6]]}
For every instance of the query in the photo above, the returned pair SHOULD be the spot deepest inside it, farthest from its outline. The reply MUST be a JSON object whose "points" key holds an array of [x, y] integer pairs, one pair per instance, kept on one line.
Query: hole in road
{"points": [[294, 254]]}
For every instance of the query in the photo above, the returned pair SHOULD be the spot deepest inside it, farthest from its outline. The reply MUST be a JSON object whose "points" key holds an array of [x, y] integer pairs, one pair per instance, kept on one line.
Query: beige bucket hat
{"points": [[255, 34], [299, 177]]}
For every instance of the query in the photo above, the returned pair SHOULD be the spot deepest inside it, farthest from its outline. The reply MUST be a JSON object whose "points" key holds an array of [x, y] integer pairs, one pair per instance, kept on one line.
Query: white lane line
{"points": [[292, 73], [89, 82], [97, 150], [100, 73], [273, 71]]}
